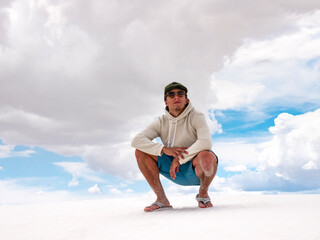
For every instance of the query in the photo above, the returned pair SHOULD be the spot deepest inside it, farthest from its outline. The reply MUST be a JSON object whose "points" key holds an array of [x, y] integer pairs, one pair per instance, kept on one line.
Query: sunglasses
{"points": [[173, 94]]}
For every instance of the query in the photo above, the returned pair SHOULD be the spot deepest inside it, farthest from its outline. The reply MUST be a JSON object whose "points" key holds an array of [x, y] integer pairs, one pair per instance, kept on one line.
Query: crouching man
{"points": [[184, 156]]}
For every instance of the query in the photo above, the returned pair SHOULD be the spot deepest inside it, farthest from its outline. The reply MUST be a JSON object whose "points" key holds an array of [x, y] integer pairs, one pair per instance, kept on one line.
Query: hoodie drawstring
{"points": [[170, 125], [174, 132]]}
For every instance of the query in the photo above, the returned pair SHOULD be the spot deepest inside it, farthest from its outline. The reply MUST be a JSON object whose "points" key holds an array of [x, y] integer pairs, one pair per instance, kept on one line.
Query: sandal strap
{"points": [[203, 200], [159, 204]]}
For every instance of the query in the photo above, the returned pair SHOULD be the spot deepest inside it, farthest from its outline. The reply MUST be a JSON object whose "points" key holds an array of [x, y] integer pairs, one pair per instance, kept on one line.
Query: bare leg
{"points": [[205, 164], [149, 168]]}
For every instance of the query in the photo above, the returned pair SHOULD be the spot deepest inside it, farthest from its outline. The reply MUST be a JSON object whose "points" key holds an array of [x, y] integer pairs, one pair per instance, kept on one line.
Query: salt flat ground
{"points": [[234, 216]]}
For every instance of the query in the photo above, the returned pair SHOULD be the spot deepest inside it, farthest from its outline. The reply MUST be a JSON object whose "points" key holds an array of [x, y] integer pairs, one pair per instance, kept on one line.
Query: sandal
{"points": [[206, 202], [160, 207]]}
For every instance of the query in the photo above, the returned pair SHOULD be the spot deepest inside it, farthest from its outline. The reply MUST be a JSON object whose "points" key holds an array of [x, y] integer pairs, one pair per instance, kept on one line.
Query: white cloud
{"points": [[283, 47], [121, 185], [310, 165], [13, 193], [1, 168], [273, 71], [290, 160], [237, 152], [129, 190], [236, 168], [117, 159], [114, 191], [94, 189], [296, 142], [74, 182], [219, 184], [79, 170], [7, 151], [177, 189], [92, 75], [233, 94], [118, 189]]}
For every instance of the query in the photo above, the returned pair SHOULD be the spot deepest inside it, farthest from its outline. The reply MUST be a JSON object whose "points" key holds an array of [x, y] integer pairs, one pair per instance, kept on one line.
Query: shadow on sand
{"points": [[218, 207]]}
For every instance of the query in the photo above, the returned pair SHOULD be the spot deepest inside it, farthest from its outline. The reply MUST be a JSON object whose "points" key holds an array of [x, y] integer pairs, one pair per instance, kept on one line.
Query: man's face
{"points": [[176, 100]]}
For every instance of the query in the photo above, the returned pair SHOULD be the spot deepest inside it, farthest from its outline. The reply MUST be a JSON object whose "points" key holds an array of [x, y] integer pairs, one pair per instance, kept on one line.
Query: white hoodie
{"points": [[189, 130]]}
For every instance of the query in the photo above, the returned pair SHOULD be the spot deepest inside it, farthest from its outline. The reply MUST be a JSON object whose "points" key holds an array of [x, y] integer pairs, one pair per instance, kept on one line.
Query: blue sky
{"points": [[88, 81], [39, 168]]}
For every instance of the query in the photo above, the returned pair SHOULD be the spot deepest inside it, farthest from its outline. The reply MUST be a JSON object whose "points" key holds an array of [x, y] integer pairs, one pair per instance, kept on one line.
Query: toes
{"points": [[151, 208], [202, 205]]}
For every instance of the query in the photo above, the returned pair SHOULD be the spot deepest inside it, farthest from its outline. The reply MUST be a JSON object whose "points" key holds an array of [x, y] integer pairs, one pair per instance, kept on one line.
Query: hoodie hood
{"points": [[182, 115]]}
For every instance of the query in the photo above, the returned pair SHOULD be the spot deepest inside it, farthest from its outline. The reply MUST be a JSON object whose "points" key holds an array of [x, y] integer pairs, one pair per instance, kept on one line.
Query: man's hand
{"points": [[176, 152], [174, 168]]}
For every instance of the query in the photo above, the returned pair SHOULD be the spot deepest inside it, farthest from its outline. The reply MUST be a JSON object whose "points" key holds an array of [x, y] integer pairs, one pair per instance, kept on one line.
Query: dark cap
{"points": [[174, 85]]}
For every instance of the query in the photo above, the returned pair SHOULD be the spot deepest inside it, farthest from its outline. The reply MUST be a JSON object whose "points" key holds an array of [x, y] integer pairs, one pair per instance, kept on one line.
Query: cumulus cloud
{"points": [[74, 182], [121, 188], [270, 73], [116, 159], [290, 160], [114, 191], [94, 189], [81, 79], [129, 190]]}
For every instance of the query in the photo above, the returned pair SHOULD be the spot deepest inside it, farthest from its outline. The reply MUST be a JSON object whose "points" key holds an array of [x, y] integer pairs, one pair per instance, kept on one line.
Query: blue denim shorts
{"points": [[186, 175]]}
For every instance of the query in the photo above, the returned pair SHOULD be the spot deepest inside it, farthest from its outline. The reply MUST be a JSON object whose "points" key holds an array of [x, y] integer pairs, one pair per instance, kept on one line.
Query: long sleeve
{"points": [[143, 140], [203, 142]]}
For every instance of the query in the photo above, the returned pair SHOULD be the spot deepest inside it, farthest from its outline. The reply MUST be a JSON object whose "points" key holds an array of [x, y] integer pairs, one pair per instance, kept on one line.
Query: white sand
{"points": [[236, 216]]}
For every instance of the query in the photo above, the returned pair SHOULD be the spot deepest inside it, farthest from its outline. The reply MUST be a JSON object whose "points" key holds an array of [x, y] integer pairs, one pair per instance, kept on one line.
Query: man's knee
{"points": [[138, 153], [207, 161], [140, 156]]}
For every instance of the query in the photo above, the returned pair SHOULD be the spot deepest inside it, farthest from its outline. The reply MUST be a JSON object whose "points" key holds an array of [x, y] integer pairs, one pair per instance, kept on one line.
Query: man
{"points": [[184, 156]]}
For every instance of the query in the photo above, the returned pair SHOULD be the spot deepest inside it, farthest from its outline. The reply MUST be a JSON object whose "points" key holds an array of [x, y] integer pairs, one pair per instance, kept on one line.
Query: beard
{"points": [[178, 109]]}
